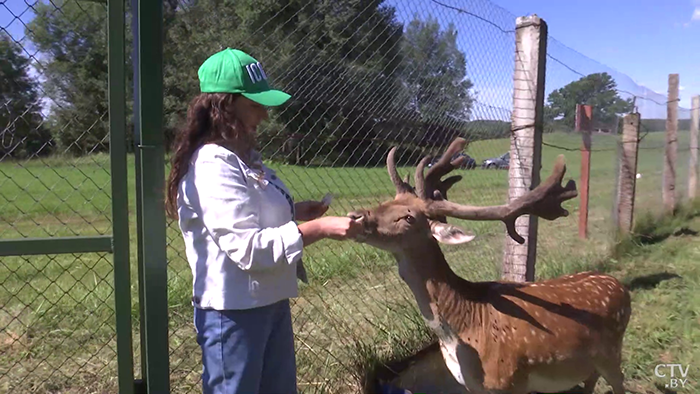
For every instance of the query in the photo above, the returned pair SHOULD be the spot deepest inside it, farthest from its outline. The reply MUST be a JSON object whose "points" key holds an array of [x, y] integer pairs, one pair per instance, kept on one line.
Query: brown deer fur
{"points": [[500, 337]]}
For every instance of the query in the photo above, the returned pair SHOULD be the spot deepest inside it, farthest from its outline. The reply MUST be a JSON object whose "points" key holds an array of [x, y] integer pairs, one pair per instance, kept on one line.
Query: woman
{"points": [[241, 239]]}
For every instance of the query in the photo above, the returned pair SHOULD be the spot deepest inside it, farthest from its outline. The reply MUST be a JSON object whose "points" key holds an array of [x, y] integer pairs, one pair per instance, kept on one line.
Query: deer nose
{"points": [[357, 215]]}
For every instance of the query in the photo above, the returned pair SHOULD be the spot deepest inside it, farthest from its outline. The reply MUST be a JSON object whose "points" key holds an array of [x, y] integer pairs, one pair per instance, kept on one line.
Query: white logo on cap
{"points": [[255, 72]]}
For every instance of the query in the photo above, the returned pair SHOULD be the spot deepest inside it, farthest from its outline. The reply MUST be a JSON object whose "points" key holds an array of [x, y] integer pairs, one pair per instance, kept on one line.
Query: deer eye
{"points": [[409, 219]]}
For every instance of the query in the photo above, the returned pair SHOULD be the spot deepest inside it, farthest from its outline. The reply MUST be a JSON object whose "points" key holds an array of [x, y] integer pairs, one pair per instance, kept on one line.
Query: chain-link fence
{"points": [[57, 313], [365, 76]]}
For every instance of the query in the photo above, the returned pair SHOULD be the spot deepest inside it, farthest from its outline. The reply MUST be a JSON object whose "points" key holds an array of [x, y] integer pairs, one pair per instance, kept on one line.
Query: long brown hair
{"points": [[210, 119]]}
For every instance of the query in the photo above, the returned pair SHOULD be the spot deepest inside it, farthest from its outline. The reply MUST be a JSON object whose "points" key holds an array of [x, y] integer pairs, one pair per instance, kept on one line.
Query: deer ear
{"points": [[449, 234]]}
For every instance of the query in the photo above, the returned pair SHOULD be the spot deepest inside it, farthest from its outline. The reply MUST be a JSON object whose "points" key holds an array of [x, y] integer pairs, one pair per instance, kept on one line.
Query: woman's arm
{"points": [[310, 232], [219, 192], [334, 227]]}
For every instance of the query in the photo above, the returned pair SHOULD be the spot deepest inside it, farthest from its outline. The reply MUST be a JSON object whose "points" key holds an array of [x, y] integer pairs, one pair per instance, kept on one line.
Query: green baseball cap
{"points": [[234, 71]]}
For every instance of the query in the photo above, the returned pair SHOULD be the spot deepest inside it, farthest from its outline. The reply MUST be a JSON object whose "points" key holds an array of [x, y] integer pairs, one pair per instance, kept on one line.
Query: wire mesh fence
{"points": [[364, 76], [573, 76], [358, 90], [56, 310], [567, 67]]}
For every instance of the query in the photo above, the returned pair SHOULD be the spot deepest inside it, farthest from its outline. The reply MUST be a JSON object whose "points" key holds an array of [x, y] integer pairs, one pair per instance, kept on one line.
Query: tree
{"points": [[22, 133], [71, 38], [336, 59], [435, 72], [345, 79], [198, 29], [598, 90], [73, 45]]}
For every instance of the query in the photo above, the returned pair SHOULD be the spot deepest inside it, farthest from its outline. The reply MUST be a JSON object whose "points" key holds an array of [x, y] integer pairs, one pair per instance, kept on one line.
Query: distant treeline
{"points": [[652, 125]]}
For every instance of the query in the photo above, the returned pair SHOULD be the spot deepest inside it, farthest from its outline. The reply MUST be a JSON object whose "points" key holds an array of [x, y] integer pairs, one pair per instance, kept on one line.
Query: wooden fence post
{"points": [[669, 177], [693, 170], [627, 176], [526, 141], [584, 114]]}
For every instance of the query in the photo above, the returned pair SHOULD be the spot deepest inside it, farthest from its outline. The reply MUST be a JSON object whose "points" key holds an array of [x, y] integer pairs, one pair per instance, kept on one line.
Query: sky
{"points": [[638, 41], [638, 46], [13, 13], [645, 39]]}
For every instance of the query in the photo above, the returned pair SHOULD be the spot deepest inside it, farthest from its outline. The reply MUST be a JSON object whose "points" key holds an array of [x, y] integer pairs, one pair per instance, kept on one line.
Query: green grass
{"points": [[661, 268], [56, 315]]}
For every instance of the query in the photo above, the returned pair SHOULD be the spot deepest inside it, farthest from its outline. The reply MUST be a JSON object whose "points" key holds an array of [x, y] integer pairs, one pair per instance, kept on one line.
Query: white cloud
{"points": [[681, 87], [696, 14]]}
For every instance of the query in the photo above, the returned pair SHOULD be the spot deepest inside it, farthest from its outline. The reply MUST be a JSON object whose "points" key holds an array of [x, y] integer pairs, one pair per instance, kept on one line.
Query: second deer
{"points": [[499, 336]]}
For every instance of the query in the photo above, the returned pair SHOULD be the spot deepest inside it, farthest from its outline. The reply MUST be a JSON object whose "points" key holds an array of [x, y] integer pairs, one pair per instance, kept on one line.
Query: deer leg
{"points": [[612, 373], [589, 384]]}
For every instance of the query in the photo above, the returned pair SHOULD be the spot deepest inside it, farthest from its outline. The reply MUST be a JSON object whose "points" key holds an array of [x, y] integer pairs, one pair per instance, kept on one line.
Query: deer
{"points": [[499, 336]]}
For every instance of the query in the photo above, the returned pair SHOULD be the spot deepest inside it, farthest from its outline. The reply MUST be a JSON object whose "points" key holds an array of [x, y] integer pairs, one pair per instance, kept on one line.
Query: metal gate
{"points": [[65, 260]]}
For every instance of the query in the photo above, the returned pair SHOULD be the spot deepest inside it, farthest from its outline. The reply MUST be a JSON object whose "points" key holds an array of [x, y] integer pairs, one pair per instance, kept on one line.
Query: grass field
{"points": [[661, 268], [56, 314]]}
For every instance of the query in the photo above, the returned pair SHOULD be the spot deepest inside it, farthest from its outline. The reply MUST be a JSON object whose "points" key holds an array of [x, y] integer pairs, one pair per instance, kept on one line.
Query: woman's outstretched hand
{"points": [[340, 227], [335, 227]]}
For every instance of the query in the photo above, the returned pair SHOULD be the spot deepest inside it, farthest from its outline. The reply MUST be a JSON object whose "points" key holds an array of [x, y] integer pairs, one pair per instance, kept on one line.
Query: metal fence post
{"points": [[120, 194], [137, 178], [151, 153], [526, 140]]}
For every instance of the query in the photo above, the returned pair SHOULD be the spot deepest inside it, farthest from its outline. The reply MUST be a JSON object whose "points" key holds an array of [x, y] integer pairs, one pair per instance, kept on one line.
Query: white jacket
{"points": [[241, 240]]}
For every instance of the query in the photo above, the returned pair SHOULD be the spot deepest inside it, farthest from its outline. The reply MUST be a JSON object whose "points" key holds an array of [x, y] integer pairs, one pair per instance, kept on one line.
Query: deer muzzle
{"points": [[360, 216]]}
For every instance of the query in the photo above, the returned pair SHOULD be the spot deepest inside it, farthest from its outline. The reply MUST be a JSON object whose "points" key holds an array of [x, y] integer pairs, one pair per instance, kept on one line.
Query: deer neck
{"points": [[442, 296]]}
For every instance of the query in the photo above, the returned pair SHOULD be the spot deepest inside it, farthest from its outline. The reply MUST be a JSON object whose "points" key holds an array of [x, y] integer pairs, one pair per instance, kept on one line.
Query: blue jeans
{"points": [[247, 351]]}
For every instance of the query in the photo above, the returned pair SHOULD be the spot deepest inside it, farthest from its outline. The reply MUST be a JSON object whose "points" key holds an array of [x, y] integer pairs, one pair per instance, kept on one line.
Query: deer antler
{"points": [[430, 187], [401, 186], [544, 201]]}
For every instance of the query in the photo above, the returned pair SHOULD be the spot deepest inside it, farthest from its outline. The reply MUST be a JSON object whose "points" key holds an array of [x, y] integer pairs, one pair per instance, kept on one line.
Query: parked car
{"points": [[500, 162], [468, 164]]}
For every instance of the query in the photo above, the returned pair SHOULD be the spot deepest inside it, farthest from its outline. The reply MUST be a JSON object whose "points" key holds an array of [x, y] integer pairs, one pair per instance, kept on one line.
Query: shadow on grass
{"points": [[656, 237], [383, 373], [685, 231], [650, 228], [647, 282]]}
